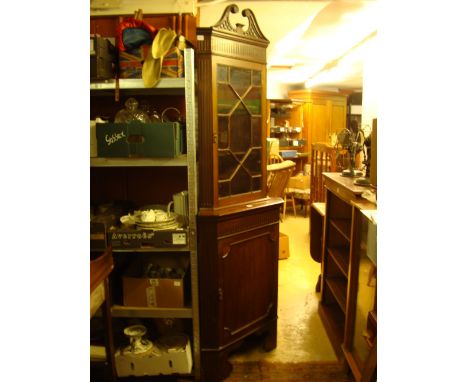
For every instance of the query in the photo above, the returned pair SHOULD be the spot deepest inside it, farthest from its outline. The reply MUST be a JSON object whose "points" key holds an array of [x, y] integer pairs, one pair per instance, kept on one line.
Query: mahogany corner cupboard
{"points": [[238, 225]]}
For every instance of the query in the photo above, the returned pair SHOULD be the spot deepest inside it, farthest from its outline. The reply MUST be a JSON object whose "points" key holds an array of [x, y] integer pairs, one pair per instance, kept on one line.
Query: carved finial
{"points": [[253, 30], [223, 22]]}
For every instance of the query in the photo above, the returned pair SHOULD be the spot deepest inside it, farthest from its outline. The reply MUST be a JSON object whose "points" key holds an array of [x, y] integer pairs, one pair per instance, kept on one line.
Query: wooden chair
{"points": [[287, 196], [275, 158], [272, 159], [278, 177], [323, 160], [299, 189]]}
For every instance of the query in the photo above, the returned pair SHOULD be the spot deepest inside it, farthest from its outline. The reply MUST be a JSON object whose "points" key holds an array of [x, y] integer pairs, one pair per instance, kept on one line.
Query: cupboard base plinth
{"points": [[215, 363]]}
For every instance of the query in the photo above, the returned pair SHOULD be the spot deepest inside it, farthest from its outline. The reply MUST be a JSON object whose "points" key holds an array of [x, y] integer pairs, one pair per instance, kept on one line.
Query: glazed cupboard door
{"points": [[238, 132], [248, 269], [231, 73]]}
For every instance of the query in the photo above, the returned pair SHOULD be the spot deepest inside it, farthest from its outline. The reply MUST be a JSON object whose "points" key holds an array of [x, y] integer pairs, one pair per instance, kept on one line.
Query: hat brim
{"points": [[151, 71], [162, 42]]}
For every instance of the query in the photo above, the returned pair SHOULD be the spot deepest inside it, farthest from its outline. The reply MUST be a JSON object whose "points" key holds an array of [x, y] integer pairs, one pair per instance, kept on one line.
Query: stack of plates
{"points": [[172, 223], [168, 221]]}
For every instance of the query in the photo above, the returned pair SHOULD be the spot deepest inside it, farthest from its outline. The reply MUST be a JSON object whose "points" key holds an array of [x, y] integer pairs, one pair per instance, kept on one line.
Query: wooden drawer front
{"points": [[249, 280], [248, 220], [344, 194]]}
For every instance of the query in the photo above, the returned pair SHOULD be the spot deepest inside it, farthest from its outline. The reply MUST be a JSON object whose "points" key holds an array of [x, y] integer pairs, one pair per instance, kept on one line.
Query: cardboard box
{"points": [[283, 252], [139, 139], [300, 182], [137, 238], [160, 292], [157, 292], [159, 360]]}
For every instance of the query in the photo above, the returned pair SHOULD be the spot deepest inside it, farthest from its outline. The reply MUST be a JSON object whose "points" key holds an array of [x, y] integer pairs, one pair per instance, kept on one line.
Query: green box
{"points": [[155, 140]]}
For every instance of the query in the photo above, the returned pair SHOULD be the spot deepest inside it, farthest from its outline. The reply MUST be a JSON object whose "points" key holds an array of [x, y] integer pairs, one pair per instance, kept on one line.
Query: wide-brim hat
{"points": [[151, 71]]}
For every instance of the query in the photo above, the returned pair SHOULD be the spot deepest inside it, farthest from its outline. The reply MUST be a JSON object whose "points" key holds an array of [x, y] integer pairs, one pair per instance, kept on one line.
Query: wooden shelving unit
{"points": [[285, 122], [340, 249]]}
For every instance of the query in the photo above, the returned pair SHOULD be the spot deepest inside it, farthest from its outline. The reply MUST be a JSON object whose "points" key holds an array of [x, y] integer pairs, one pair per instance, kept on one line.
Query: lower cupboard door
{"points": [[249, 281]]}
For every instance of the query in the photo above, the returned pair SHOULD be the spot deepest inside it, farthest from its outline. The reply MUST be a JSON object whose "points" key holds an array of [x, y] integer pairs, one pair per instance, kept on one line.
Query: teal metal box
{"points": [[139, 139]]}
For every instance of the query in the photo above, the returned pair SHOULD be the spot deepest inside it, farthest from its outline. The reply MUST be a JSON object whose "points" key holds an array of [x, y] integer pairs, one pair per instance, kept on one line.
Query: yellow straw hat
{"points": [[163, 41]]}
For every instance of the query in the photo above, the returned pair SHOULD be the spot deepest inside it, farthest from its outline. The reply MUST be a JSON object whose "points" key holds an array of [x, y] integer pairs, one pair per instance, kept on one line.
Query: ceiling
{"points": [[320, 44]]}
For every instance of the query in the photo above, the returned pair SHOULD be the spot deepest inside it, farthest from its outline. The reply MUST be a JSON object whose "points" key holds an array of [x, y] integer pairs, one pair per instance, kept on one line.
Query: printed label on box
{"points": [[177, 283], [179, 238], [154, 282], [151, 296]]}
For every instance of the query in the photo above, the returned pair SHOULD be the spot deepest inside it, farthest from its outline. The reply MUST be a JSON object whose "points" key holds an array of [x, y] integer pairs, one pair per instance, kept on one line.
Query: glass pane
{"points": [[366, 293], [256, 132], [257, 183], [253, 163], [226, 99], [224, 189], [253, 101], [222, 73], [227, 164], [240, 130], [240, 80], [256, 78], [223, 132], [241, 182]]}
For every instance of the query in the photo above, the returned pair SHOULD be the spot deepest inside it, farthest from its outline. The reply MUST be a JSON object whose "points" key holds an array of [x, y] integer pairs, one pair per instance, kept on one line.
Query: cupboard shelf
{"points": [[341, 257], [148, 312], [338, 287], [334, 322], [151, 249], [343, 226], [137, 83], [180, 161]]}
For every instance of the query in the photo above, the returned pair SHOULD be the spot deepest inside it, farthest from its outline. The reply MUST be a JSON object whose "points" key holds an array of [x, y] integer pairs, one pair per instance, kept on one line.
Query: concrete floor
{"points": [[301, 335]]}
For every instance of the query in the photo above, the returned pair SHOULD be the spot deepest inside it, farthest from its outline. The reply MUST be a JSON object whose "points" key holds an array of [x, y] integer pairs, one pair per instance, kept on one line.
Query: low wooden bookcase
{"points": [[348, 304]]}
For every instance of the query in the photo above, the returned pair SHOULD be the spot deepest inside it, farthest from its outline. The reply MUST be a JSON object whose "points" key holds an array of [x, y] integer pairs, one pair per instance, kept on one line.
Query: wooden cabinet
{"points": [[238, 264], [360, 343], [347, 305], [144, 181], [324, 114], [238, 226]]}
